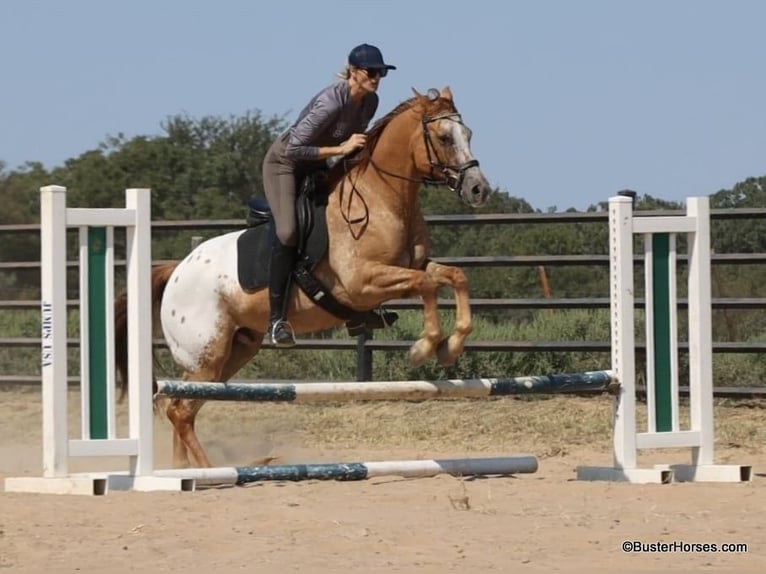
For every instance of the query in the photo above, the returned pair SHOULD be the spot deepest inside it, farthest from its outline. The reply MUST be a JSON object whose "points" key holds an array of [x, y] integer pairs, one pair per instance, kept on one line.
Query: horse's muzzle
{"points": [[475, 188]]}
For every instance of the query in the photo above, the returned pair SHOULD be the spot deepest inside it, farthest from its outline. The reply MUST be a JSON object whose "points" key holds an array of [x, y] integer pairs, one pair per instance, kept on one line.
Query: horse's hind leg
{"points": [[245, 346], [452, 347], [182, 413]]}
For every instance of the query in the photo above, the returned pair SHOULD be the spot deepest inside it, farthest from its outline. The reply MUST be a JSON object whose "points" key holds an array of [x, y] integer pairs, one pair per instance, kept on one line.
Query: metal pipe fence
{"points": [[365, 346]]}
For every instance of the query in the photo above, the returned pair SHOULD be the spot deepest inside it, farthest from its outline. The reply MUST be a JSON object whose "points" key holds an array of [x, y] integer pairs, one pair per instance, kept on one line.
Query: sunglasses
{"points": [[374, 72]]}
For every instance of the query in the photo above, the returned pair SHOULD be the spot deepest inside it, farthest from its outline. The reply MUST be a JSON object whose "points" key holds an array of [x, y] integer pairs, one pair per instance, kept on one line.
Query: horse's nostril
{"points": [[476, 190]]}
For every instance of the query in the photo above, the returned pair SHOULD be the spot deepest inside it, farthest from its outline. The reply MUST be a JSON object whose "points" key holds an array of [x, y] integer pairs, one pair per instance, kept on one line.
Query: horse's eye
{"points": [[446, 139]]}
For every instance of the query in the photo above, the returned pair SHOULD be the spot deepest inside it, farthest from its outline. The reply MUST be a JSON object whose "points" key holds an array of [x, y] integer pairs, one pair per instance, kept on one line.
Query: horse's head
{"points": [[442, 149]]}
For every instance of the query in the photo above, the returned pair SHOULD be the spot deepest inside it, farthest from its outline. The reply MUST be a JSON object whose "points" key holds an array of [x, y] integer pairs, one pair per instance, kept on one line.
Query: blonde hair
{"points": [[345, 73]]}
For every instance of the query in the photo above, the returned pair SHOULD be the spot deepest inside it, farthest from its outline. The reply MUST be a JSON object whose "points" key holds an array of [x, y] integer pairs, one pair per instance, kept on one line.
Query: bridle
{"points": [[451, 175]]}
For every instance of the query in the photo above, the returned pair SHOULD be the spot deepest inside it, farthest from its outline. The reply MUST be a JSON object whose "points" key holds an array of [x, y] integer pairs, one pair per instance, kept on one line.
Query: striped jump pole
{"points": [[500, 466], [664, 429], [387, 390]]}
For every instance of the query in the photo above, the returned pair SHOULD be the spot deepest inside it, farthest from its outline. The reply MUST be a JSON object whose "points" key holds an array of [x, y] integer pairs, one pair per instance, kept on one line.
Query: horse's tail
{"points": [[160, 276]]}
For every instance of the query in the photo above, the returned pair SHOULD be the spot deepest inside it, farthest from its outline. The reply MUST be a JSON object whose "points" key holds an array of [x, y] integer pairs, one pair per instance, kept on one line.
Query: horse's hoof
{"points": [[444, 358], [447, 353], [443, 355], [421, 352]]}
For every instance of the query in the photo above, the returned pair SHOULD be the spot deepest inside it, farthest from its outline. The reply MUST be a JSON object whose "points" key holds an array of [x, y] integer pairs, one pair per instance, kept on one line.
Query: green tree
{"points": [[198, 169]]}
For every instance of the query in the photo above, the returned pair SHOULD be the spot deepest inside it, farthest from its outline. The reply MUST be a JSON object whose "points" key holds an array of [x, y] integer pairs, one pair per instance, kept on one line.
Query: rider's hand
{"points": [[354, 143]]}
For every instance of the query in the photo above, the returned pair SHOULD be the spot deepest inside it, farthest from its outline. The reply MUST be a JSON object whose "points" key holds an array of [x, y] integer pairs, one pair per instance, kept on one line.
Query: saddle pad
{"points": [[253, 253], [254, 250]]}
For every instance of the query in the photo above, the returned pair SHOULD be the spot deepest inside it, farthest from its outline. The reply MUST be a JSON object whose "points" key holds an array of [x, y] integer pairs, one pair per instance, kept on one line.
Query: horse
{"points": [[377, 251]]}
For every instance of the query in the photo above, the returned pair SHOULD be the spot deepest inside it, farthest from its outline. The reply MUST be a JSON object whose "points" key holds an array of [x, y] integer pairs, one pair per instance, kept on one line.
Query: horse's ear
{"points": [[418, 95], [446, 93]]}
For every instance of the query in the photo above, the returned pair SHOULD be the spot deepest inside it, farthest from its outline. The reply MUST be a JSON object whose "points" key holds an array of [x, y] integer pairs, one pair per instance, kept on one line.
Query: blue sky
{"points": [[569, 101]]}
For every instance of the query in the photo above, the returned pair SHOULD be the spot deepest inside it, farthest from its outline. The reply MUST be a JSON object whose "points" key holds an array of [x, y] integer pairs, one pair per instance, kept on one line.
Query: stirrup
{"points": [[281, 334]]}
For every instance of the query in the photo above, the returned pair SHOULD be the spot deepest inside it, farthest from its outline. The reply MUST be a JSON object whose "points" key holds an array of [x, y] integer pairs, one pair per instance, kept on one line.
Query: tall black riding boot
{"points": [[282, 261]]}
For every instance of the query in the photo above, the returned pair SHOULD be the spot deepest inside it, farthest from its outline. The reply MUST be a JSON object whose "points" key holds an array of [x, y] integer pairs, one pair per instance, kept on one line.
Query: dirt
{"points": [[542, 522]]}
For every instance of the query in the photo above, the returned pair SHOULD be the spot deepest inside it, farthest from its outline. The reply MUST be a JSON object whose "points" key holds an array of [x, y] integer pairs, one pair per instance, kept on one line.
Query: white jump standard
{"points": [[98, 433], [662, 348]]}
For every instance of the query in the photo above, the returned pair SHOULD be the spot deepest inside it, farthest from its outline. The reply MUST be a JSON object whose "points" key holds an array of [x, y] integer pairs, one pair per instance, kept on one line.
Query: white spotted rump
{"points": [[191, 319]]}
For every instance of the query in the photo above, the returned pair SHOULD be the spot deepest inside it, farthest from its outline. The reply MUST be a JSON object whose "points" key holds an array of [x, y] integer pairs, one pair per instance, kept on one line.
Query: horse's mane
{"points": [[362, 158], [373, 134]]}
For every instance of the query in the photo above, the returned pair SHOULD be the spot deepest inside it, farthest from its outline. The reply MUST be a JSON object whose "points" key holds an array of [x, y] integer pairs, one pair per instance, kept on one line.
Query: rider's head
{"points": [[366, 66], [369, 57]]}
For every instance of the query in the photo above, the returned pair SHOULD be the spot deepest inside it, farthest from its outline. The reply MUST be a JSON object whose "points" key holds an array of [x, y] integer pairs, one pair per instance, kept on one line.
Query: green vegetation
{"points": [[207, 168]]}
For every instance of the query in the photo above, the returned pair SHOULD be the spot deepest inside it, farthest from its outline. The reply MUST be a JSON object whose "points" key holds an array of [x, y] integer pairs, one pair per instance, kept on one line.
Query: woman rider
{"points": [[332, 124]]}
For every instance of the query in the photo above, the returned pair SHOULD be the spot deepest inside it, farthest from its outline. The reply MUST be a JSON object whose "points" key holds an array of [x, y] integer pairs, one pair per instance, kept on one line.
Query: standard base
{"points": [[709, 472], [665, 474], [96, 484], [634, 475]]}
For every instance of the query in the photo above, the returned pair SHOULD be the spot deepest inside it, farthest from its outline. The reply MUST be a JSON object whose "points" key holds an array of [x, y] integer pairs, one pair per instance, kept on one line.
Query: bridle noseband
{"points": [[452, 175]]}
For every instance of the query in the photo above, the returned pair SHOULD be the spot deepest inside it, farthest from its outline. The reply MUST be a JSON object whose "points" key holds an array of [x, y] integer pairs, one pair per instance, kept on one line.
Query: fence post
{"points": [[364, 356]]}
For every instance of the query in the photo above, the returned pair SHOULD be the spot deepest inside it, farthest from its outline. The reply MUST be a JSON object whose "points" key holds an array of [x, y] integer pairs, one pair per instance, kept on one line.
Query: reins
{"points": [[354, 192]]}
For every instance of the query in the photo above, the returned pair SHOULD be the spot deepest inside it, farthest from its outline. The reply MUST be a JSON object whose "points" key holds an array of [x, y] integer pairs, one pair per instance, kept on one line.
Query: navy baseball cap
{"points": [[367, 56]]}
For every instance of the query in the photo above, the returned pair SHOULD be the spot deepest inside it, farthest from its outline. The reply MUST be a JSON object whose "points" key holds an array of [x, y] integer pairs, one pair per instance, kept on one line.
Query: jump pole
{"points": [[498, 466], [663, 426], [387, 390]]}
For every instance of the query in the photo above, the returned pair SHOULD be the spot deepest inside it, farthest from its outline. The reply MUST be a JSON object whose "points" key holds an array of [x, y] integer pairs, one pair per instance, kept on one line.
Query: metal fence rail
{"points": [[365, 347], [750, 303]]}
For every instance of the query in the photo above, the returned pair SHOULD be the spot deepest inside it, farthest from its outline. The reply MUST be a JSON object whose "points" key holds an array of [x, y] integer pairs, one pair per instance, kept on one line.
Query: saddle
{"points": [[254, 249]]}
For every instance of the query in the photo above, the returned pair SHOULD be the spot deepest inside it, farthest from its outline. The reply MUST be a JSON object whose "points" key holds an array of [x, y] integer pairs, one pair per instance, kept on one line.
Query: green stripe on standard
{"points": [[661, 313], [97, 331]]}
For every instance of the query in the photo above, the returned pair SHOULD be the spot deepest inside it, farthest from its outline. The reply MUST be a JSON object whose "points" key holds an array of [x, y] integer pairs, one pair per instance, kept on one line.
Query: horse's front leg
{"points": [[384, 282], [452, 347]]}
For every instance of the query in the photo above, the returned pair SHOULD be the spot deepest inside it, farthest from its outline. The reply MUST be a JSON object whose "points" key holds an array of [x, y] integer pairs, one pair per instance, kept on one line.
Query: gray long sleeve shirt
{"points": [[328, 120]]}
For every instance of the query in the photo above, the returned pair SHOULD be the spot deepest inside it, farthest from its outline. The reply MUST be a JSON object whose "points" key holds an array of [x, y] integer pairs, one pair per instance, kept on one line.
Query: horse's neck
{"points": [[393, 151], [393, 158]]}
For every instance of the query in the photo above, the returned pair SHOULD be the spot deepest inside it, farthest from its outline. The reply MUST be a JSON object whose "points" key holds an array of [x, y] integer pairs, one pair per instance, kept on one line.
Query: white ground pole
{"points": [[700, 436], [55, 218], [462, 467]]}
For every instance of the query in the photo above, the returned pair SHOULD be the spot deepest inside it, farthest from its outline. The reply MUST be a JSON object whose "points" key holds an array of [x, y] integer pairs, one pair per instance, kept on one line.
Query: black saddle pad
{"points": [[254, 245]]}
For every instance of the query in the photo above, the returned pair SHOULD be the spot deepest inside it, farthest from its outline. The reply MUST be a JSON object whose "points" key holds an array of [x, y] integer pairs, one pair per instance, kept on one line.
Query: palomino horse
{"points": [[377, 251]]}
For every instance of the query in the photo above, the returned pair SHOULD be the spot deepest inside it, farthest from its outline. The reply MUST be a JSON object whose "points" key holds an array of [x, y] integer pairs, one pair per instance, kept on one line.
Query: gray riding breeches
{"points": [[280, 178]]}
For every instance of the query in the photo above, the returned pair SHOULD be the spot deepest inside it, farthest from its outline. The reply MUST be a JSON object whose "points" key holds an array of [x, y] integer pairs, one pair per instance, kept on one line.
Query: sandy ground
{"points": [[543, 522]]}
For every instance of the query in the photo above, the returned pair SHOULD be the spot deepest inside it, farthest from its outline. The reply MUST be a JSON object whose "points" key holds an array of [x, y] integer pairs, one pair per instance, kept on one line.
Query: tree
{"points": [[200, 168], [20, 198]]}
